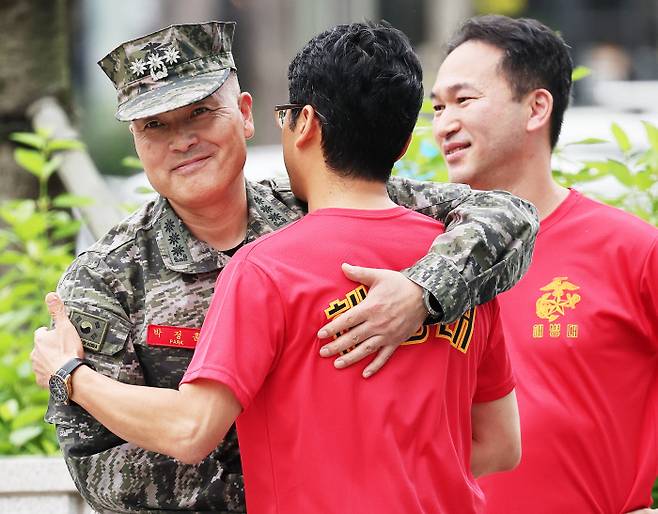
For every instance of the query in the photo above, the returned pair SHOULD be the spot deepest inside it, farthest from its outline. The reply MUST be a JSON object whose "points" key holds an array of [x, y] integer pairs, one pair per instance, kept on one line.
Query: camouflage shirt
{"points": [[150, 270]]}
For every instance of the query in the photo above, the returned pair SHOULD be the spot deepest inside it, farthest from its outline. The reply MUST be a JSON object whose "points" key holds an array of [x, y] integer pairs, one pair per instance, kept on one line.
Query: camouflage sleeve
{"points": [[110, 474], [487, 246]]}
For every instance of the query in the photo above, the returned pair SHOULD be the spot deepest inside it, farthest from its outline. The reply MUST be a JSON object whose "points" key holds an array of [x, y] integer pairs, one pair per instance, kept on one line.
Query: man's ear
{"points": [[245, 103], [307, 126], [540, 102]]}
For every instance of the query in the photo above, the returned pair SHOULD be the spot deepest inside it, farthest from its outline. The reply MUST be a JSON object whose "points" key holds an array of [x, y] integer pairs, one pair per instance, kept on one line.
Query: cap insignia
{"points": [[155, 61]]}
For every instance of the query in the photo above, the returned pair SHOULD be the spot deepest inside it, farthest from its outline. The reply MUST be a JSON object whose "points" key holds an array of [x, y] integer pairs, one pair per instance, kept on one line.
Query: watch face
{"points": [[58, 390]]}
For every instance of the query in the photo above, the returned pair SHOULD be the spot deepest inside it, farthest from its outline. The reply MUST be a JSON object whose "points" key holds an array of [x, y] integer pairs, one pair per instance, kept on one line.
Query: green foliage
{"points": [[131, 162], [423, 160], [35, 249], [580, 72], [635, 174]]}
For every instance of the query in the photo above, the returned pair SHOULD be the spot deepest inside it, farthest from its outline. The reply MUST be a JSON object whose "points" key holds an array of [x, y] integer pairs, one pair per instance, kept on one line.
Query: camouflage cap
{"points": [[170, 68]]}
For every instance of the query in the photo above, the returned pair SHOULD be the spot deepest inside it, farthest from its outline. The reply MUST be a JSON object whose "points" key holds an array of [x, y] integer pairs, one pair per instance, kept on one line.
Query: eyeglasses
{"points": [[280, 112]]}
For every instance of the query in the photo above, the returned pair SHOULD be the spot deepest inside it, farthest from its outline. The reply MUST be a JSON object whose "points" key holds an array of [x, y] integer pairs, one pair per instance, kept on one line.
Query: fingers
{"points": [[38, 333], [56, 308], [343, 323], [368, 347], [377, 363], [41, 375], [365, 276], [346, 341]]}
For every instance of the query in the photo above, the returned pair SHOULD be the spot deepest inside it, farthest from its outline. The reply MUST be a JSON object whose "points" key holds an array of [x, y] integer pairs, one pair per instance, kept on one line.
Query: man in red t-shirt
{"points": [[582, 325], [314, 439]]}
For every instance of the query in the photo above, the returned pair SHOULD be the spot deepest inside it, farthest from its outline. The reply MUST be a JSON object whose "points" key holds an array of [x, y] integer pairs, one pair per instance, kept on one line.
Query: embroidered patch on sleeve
{"points": [[92, 329]]}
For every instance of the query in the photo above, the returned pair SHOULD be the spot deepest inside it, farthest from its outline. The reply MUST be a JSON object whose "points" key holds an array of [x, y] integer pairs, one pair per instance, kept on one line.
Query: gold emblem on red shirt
{"points": [[550, 306]]}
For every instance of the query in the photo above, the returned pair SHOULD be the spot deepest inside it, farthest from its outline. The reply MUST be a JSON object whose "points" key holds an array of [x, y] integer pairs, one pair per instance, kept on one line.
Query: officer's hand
{"points": [[53, 348], [391, 313]]}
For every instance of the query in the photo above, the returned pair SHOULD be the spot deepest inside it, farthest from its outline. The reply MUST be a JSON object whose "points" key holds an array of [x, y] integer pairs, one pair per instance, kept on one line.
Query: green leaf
{"points": [[16, 318], [580, 72], [51, 166], [9, 258], [27, 417], [9, 409], [21, 436], [652, 134], [68, 200], [28, 139], [32, 227], [57, 145], [644, 179], [44, 132], [49, 447], [30, 160], [620, 136], [427, 107], [68, 230], [132, 162], [588, 141], [144, 190], [621, 172]]}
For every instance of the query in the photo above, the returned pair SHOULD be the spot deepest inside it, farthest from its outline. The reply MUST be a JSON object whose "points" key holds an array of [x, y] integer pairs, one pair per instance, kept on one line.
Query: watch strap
{"points": [[71, 365], [433, 308]]}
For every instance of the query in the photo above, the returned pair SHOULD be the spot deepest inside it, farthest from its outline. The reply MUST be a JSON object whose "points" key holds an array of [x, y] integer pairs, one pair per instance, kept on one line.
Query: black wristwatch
{"points": [[433, 308], [59, 383]]}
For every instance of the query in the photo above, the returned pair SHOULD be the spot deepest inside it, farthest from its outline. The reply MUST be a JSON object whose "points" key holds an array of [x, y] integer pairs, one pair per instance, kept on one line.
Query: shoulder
{"points": [[118, 246], [127, 230], [422, 193], [617, 222], [271, 247], [277, 189]]}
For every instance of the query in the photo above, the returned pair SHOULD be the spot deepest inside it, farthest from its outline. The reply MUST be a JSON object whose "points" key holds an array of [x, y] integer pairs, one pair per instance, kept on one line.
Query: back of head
{"points": [[534, 57], [366, 82]]}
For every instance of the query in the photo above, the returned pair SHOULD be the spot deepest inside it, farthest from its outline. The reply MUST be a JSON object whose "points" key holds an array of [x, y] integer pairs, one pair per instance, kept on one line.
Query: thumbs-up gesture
{"points": [[53, 348]]}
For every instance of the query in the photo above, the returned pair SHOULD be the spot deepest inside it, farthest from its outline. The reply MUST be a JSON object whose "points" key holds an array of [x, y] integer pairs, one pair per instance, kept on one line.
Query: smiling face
{"points": [[193, 155], [478, 125]]}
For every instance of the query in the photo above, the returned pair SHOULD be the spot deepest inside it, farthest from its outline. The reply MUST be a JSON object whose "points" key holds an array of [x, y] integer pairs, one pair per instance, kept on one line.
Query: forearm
{"points": [[496, 436], [156, 419], [486, 458], [486, 249]]}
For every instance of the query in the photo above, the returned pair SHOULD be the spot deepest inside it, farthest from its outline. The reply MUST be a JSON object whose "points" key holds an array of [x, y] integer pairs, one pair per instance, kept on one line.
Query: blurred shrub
{"points": [[35, 249]]}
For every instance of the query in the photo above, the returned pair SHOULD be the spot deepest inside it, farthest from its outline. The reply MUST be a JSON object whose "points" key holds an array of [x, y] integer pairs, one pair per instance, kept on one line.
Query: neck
{"points": [[533, 181], [221, 224], [330, 190], [529, 177], [546, 195]]}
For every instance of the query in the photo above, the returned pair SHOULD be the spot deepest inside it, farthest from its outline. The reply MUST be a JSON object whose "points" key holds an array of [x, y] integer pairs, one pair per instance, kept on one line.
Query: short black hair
{"points": [[533, 57], [367, 84]]}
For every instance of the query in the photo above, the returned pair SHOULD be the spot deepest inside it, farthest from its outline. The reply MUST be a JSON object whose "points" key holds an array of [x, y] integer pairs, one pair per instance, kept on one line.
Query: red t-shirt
{"points": [[582, 331], [314, 439]]}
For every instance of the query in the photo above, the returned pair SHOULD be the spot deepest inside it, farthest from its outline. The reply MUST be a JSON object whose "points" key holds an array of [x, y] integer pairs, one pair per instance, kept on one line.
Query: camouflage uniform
{"points": [[151, 270]]}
